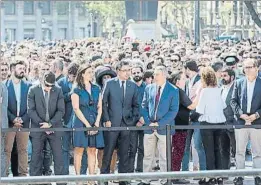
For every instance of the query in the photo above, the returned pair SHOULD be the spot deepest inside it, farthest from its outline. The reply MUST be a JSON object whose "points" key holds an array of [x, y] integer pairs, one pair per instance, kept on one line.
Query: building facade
{"points": [[46, 20]]}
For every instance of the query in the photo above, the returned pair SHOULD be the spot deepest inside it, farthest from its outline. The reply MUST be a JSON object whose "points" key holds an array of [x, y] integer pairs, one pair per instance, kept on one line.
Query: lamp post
{"points": [[113, 30], [89, 29], [218, 21]]}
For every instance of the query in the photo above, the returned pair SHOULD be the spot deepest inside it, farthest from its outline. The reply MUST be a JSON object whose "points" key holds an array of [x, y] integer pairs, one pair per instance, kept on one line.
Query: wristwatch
{"points": [[257, 115]]}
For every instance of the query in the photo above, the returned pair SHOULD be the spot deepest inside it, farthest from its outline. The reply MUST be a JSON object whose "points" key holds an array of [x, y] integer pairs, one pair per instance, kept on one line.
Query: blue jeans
{"points": [[198, 146], [30, 150]]}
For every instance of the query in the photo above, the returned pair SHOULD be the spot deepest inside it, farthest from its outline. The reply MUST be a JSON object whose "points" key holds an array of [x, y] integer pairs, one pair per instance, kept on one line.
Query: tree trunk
{"points": [[253, 13]]}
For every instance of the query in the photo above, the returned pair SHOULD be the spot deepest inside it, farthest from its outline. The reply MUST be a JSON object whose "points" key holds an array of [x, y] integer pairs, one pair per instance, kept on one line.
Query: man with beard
{"points": [[227, 79], [136, 140], [17, 115]]}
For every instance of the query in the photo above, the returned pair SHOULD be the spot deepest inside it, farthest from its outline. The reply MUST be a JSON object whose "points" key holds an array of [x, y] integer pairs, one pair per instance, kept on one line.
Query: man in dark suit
{"points": [[46, 109], [120, 109], [17, 115], [228, 77], [160, 106], [246, 104], [66, 84]]}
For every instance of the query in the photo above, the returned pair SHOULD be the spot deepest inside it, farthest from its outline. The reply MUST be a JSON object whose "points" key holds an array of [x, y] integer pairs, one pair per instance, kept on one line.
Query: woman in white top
{"points": [[210, 107]]}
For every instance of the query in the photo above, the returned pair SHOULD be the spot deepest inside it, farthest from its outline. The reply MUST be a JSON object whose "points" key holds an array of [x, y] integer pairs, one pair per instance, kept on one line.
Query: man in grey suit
{"points": [[43, 97], [120, 109]]}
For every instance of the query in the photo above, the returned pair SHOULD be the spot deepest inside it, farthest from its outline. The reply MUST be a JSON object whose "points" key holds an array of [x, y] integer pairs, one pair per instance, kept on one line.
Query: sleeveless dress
{"points": [[88, 105]]}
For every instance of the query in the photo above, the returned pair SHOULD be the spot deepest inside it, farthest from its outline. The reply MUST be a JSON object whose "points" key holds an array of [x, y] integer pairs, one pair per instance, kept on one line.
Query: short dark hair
{"points": [[217, 66], [17, 62], [121, 63], [138, 65], [175, 76], [229, 71], [73, 68], [191, 65], [148, 74]]}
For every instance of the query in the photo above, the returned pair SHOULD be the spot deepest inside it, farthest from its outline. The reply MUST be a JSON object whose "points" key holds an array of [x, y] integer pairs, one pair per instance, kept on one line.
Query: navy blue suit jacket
{"points": [[66, 88], [12, 103], [239, 100], [115, 109], [167, 108]]}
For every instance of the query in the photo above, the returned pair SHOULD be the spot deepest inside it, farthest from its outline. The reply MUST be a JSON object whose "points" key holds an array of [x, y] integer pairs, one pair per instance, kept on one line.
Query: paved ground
{"points": [[248, 180]]}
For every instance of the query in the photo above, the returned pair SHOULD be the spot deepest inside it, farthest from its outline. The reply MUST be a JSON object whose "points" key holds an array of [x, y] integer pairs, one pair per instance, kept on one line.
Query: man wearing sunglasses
{"points": [[46, 110]]}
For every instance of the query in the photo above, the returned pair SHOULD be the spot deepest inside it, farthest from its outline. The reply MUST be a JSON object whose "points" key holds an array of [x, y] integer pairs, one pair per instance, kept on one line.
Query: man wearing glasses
{"points": [[46, 110], [246, 104], [120, 108]]}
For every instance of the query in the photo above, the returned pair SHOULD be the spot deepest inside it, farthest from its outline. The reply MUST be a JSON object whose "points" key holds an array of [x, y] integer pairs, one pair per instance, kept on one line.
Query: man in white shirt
{"points": [[191, 88], [246, 104], [17, 115]]}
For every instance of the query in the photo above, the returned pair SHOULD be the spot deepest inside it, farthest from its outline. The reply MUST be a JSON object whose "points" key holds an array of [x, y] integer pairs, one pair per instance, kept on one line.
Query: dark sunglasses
{"points": [[48, 85]]}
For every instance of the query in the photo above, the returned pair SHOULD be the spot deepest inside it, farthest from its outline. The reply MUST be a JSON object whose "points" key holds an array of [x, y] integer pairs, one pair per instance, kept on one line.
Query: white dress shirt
{"points": [[120, 81], [225, 91], [17, 89], [161, 91], [250, 91]]}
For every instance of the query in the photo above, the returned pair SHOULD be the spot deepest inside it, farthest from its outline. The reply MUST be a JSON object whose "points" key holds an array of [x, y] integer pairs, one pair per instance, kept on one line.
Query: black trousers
{"points": [[47, 159], [136, 145], [111, 138], [215, 145], [36, 165], [232, 140]]}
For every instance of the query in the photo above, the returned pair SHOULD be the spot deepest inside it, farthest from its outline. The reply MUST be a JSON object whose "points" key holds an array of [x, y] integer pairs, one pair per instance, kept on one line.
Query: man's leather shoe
{"points": [[180, 181], [238, 181], [143, 183], [257, 181]]}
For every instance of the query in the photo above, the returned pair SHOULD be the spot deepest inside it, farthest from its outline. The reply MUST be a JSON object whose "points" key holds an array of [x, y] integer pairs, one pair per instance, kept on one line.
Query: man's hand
{"points": [[139, 124], [245, 117], [44, 125], [108, 124], [18, 125], [16, 120], [252, 118], [154, 124]]}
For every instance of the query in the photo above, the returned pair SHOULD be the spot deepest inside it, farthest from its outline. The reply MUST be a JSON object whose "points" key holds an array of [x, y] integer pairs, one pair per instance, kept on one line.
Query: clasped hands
{"points": [[46, 125], [248, 119], [18, 122], [92, 132]]}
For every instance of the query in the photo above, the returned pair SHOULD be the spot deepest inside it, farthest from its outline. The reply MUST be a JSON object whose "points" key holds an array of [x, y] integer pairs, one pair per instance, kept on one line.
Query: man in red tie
{"points": [[159, 108]]}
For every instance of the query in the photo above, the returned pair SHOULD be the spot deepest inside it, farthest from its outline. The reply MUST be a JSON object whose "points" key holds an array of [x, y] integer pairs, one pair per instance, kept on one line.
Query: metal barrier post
{"points": [[168, 147]]}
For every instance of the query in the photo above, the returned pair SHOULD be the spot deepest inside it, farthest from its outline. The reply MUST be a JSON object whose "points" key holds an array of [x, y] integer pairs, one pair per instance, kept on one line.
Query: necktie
{"points": [[122, 90], [46, 98], [157, 101]]}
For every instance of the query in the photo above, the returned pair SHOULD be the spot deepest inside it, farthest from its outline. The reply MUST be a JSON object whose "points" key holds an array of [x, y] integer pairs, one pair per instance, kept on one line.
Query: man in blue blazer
{"points": [[17, 115], [246, 104], [159, 108]]}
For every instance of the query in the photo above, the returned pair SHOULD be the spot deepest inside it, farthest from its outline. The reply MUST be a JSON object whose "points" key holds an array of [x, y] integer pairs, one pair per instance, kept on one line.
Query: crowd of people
{"points": [[109, 83]]}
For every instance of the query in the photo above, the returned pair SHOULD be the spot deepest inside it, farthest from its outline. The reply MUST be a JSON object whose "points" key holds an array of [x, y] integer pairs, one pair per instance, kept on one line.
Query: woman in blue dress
{"points": [[87, 106]]}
